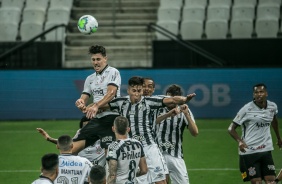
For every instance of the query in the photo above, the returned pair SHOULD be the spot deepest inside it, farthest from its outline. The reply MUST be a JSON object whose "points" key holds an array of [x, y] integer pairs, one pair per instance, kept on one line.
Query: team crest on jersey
{"points": [[252, 171], [157, 169]]}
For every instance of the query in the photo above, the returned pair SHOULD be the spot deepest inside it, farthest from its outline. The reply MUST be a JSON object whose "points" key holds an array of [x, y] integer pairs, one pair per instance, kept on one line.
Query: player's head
{"points": [[97, 175], [65, 143], [83, 121], [148, 86], [260, 92], [135, 88], [49, 164], [98, 57], [173, 90], [121, 125]]}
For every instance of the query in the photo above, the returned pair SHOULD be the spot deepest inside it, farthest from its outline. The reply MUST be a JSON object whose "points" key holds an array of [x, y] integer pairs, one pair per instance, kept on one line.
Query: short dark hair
{"points": [[97, 49], [121, 123], [174, 90], [82, 120], [259, 84], [149, 78], [136, 81], [97, 175], [49, 161], [64, 142]]}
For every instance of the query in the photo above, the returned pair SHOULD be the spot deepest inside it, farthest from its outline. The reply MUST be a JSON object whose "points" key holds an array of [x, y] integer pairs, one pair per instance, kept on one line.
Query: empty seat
{"points": [[61, 4], [171, 26], [200, 3], [171, 3], [220, 2], [191, 29], [267, 28], [166, 13], [243, 12], [61, 15], [193, 13], [29, 30], [268, 11], [34, 15], [241, 28], [266, 2], [10, 14], [8, 31], [218, 12], [216, 29], [37, 4], [56, 34], [13, 3], [245, 3]]}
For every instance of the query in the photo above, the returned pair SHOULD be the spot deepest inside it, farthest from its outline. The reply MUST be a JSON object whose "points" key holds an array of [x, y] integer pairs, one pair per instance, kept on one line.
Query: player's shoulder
{"points": [[111, 69], [271, 104], [115, 145]]}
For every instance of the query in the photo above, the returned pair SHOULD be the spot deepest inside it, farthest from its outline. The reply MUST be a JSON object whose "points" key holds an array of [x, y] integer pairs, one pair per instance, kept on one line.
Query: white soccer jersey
{"points": [[139, 116], [97, 83], [42, 180], [94, 154], [255, 123], [127, 153], [73, 169], [170, 133]]}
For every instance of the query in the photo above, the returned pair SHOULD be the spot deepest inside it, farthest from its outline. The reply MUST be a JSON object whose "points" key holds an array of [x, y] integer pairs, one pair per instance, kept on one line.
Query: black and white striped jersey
{"points": [[127, 153], [139, 116], [170, 133]]}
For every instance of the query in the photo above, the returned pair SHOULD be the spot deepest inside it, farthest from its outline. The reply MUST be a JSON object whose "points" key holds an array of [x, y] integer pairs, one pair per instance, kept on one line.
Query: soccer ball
{"points": [[87, 24]]}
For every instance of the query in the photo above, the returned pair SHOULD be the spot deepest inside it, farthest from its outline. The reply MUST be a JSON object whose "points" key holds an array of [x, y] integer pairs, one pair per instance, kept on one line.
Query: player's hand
{"points": [[190, 96], [184, 108], [80, 104], [279, 144], [91, 111], [174, 111], [242, 146], [43, 133]]}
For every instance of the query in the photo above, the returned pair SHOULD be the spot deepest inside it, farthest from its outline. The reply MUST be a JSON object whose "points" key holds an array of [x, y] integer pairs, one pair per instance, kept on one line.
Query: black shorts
{"points": [[256, 165], [98, 128]]}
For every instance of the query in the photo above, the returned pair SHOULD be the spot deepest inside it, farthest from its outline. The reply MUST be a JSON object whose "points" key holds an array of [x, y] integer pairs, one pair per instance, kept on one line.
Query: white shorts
{"points": [[177, 169], [155, 163]]}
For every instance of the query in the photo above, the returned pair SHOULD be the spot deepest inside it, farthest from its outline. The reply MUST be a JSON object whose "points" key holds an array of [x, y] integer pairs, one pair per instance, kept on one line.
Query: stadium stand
{"points": [[169, 13], [171, 4], [13, 3], [171, 26], [196, 3]]}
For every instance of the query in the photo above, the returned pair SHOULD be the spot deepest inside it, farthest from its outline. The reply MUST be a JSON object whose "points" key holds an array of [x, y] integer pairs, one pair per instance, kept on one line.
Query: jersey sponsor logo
{"points": [[130, 155], [257, 148], [244, 175], [252, 171], [271, 167], [72, 172], [106, 139], [98, 92], [261, 125], [167, 145], [70, 163], [139, 137]]}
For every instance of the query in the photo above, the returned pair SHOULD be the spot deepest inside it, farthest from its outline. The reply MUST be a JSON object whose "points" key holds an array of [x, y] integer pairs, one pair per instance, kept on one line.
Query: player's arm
{"points": [[47, 136], [275, 127], [171, 113], [232, 131], [111, 93], [112, 172], [143, 169], [82, 101], [193, 128], [178, 99]]}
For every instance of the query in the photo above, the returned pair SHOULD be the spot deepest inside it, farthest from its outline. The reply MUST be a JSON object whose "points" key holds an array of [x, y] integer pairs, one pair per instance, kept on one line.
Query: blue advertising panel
{"points": [[51, 94]]}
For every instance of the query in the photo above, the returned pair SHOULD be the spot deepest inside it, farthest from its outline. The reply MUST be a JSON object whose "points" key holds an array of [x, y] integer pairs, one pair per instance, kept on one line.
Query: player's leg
{"points": [[177, 169], [268, 168]]}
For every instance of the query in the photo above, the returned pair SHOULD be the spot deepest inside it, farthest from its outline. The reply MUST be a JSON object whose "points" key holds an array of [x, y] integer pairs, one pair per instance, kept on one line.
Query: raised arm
{"points": [[232, 131], [178, 99], [171, 113], [192, 125], [111, 93], [275, 127], [143, 169], [112, 172], [46, 136]]}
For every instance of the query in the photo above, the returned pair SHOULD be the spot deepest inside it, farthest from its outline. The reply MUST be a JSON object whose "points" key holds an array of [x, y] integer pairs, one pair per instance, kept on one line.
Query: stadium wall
{"points": [[51, 94]]}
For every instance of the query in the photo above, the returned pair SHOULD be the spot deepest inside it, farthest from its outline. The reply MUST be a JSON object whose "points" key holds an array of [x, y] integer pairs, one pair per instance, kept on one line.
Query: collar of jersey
{"points": [[100, 73], [45, 178]]}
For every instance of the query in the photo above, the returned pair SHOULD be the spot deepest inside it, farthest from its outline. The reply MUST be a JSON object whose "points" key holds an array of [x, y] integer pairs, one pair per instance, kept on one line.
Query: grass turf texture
{"points": [[211, 157]]}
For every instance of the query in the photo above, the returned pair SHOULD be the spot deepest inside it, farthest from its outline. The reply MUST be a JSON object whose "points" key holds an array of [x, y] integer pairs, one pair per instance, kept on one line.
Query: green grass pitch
{"points": [[211, 157]]}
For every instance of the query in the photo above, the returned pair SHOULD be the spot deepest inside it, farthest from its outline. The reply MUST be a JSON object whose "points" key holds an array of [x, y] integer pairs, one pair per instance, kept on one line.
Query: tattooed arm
{"points": [[112, 172]]}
